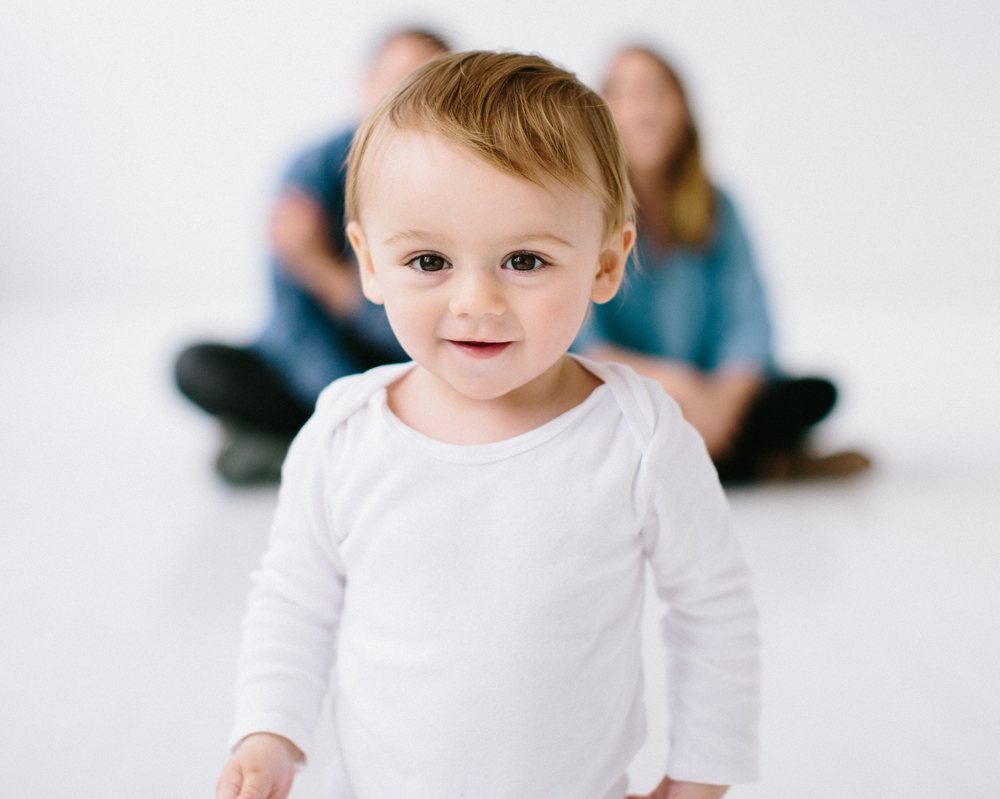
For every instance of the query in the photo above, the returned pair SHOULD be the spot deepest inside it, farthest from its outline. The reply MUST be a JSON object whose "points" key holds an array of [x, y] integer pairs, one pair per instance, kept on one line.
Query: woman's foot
{"points": [[777, 422], [797, 465]]}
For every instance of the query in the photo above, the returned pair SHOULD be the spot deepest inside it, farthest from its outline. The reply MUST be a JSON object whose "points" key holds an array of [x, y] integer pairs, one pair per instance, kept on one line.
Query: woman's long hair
{"points": [[689, 192]]}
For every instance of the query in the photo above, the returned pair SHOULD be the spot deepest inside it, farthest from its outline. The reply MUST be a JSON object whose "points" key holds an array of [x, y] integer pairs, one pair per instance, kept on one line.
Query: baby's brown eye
{"points": [[524, 262], [429, 263]]}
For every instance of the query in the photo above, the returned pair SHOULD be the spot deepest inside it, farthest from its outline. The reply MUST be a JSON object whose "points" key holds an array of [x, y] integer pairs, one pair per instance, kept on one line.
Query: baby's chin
{"points": [[488, 388], [495, 384]]}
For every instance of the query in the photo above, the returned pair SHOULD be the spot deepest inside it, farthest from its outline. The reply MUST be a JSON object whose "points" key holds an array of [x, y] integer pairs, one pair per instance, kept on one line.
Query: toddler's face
{"points": [[486, 278]]}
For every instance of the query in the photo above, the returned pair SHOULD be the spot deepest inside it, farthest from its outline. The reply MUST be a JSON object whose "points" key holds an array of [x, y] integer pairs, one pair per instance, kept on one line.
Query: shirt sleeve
{"points": [[710, 627], [290, 628], [742, 320]]}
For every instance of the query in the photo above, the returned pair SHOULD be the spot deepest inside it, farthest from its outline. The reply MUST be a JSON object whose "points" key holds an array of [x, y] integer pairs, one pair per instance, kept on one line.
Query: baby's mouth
{"points": [[480, 349]]}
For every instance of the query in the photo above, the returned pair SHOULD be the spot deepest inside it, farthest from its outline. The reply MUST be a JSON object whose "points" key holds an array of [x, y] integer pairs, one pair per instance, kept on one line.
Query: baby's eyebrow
{"points": [[413, 235], [512, 241], [540, 236]]}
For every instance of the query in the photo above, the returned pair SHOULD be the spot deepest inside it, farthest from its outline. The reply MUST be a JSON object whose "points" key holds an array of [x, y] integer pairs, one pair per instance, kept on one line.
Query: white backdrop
{"points": [[140, 142]]}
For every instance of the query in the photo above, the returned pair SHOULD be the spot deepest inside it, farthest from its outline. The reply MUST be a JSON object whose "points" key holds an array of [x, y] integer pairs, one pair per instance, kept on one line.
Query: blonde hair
{"points": [[691, 211], [519, 113]]}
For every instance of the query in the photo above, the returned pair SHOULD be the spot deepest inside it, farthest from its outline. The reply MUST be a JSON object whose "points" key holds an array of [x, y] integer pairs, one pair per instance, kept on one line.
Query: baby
{"points": [[466, 536]]}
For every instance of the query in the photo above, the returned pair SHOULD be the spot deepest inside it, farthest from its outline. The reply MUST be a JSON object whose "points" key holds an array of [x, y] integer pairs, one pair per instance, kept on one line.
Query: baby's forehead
{"points": [[438, 192], [399, 154], [521, 114]]}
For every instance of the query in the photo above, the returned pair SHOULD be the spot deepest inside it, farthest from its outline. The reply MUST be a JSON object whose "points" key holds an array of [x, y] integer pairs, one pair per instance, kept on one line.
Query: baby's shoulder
{"points": [[647, 409], [344, 397], [312, 450], [673, 459]]}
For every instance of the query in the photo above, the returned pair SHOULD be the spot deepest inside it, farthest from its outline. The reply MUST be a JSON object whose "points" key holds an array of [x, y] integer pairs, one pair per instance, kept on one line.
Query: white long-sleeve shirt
{"points": [[483, 603]]}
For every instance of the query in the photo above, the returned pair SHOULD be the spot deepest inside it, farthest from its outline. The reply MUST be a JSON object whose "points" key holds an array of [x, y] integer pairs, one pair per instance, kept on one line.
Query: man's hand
{"points": [[302, 243], [262, 767], [675, 789]]}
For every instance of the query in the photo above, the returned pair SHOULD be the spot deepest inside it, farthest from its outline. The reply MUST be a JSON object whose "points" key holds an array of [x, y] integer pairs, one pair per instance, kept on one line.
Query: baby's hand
{"points": [[262, 767], [671, 789]]}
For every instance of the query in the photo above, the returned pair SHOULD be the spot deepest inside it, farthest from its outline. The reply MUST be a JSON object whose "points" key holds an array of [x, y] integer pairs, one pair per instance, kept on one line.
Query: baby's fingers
{"points": [[234, 784], [230, 782]]}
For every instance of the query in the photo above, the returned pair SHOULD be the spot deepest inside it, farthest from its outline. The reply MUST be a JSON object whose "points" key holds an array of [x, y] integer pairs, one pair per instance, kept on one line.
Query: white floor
{"points": [[125, 562]]}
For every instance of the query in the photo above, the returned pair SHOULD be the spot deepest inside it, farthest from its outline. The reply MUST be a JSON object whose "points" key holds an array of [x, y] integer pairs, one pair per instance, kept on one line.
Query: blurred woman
{"points": [[693, 313]]}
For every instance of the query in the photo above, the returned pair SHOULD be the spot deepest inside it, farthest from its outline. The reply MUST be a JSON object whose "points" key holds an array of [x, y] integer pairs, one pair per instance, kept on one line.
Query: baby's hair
{"points": [[520, 113]]}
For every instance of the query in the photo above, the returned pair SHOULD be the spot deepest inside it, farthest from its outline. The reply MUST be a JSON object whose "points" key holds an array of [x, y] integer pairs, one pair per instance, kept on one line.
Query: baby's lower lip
{"points": [[480, 349]]}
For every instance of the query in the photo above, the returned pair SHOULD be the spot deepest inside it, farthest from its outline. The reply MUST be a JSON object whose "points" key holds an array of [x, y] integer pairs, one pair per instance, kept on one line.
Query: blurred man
{"points": [[321, 327]]}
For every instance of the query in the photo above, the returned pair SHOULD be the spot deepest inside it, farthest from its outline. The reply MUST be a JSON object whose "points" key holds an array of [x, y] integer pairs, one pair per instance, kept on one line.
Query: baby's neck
{"points": [[429, 405]]}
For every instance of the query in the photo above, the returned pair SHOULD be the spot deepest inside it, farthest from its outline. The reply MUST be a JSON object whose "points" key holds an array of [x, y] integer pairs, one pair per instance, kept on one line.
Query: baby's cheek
{"points": [[562, 314], [411, 323]]}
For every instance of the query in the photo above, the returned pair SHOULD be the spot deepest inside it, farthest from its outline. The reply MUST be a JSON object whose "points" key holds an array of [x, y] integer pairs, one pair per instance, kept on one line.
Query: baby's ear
{"points": [[611, 263], [369, 283]]}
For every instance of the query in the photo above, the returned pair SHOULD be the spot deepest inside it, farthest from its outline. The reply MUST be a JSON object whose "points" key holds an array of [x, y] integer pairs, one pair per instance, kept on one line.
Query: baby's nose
{"points": [[477, 292]]}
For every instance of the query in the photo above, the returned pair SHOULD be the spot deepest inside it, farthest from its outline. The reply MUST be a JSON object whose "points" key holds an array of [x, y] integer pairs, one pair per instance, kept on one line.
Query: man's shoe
{"points": [[250, 455]]}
